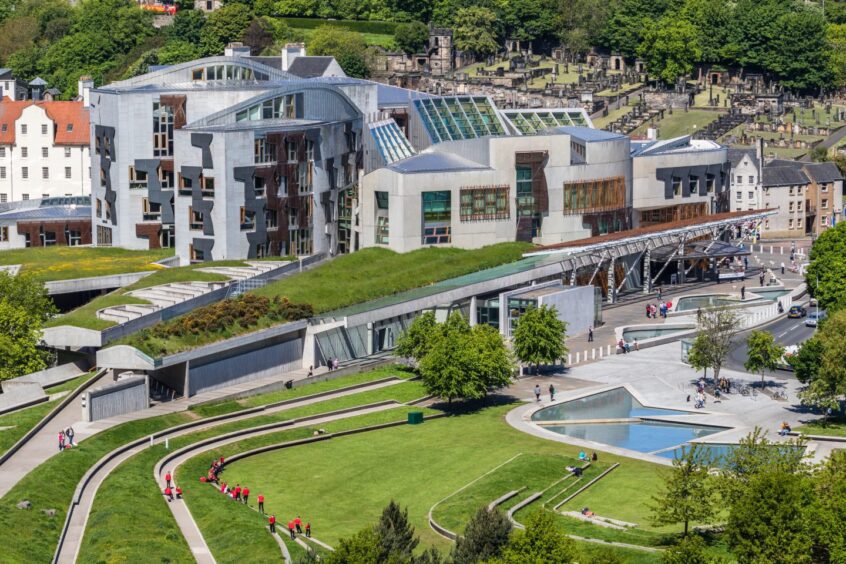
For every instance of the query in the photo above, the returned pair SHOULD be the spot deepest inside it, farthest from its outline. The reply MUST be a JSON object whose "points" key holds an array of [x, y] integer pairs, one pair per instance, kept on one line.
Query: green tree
{"points": [[174, 52], [187, 26], [800, 65], [27, 292], [827, 270], [837, 62], [484, 537], [24, 307], [476, 31], [348, 47], [829, 514], [539, 336], [713, 342], [224, 26], [806, 361], [396, 535], [711, 19], [670, 48], [411, 37], [829, 385], [763, 353], [361, 548], [417, 340], [690, 549], [540, 543], [688, 492]]}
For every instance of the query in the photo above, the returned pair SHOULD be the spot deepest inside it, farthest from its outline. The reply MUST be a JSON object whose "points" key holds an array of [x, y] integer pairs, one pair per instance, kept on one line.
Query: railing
{"points": [[242, 286]]}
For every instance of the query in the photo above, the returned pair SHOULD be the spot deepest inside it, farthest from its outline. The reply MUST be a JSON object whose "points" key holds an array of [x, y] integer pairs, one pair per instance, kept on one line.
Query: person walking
{"points": [[551, 392], [272, 522], [69, 434], [590, 334], [261, 503], [61, 441], [237, 496], [308, 530], [761, 277], [167, 478], [537, 392], [245, 494], [291, 530], [782, 268], [298, 523], [310, 371], [659, 293], [743, 292]]}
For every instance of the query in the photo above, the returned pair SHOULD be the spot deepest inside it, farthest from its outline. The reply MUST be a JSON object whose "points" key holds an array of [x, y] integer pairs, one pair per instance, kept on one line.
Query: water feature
{"points": [[612, 404], [642, 436], [773, 294], [687, 303], [641, 334]]}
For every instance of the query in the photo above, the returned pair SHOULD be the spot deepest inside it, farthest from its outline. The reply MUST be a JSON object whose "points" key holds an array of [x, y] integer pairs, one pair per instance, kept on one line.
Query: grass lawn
{"points": [[835, 427], [680, 123], [418, 466], [64, 263], [86, 315], [19, 422], [355, 278]]}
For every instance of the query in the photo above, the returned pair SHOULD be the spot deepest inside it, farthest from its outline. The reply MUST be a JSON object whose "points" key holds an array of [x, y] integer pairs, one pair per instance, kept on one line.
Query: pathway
{"points": [[79, 518]]}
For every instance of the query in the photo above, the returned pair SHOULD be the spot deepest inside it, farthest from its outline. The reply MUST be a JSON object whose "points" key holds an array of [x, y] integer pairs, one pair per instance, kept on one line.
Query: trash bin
{"points": [[415, 417]]}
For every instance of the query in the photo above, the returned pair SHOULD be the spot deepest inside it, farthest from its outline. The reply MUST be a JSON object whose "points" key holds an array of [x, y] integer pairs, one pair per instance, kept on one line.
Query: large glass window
{"points": [[137, 178], [382, 218], [525, 195], [437, 217], [484, 203], [162, 130], [275, 108]]}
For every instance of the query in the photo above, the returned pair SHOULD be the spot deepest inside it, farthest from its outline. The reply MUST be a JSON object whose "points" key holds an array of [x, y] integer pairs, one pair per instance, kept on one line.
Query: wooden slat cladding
{"points": [[537, 160]]}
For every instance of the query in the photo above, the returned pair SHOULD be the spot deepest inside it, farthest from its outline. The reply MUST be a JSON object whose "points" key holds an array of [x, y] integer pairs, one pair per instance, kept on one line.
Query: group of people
{"points": [[628, 347], [724, 385], [538, 392], [171, 491], [295, 526], [66, 439], [214, 471], [785, 428], [333, 364], [654, 310]]}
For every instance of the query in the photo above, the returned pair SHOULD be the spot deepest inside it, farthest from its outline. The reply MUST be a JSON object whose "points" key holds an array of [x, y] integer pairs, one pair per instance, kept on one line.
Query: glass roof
{"points": [[459, 117], [528, 122], [392, 144]]}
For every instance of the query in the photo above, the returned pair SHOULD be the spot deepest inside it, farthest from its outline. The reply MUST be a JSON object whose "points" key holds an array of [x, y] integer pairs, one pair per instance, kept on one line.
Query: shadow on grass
{"points": [[466, 407]]}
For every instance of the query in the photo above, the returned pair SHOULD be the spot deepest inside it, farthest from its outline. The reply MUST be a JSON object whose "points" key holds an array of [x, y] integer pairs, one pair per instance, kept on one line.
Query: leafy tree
{"points": [[17, 33], [174, 52], [224, 26], [24, 307], [361, 548], [827, 270], [29, 293], [829, 515], [688, 493], [411, 37], [396, 535], [24, 63], [417, 340], [258, 35], [348, 47], [475, 31], [539, 336], [713, 342], [691, 549], [801, 65], [187, 26], [121, 22], [806, 361], [828, 386], [484, 537], [711, 20], [670, 48], [531, 20], [540, 543], [763, 353]]}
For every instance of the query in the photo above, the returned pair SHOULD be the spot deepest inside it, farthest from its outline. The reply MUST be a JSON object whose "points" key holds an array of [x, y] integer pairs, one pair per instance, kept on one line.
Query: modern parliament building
{"points": [[236, 157]]}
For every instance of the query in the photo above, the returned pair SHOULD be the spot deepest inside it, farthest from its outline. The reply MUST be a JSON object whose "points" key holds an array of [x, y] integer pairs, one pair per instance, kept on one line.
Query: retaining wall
{"points": [[124, 396]]}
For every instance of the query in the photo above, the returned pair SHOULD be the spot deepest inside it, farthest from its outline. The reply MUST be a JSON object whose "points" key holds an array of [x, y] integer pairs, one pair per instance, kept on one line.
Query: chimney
{"points": [[83, 89], [237, 49], [759, 155], [290, 52]]}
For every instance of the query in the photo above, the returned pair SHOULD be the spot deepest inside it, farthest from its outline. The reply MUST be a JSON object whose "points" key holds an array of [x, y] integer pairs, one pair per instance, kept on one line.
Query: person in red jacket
{"points": [[178, 492], [169, 494], [167, 478], [237, 495], [261, 503], [298, 523], [245, 493], [308, 529], [291, 529], [272, 521]]}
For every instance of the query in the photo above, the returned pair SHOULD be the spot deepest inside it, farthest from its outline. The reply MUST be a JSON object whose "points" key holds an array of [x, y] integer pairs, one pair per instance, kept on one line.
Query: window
{"points": [[67, 172], [248, 219], [67, 152], [99, 207], [599, 194], [309, 150], [4, 198], [197, 74], [4, 233], [301, 241], [162, 130], [751, 195], [824, 204], [484, 203], [739, 179], [694, 184], [151, 211], [43, 129], [74, 237], [677, 186], [2, 172], [104, 236], [108, 211], [185, 185], [271, 219], [2, 151], [260, 186], [195, 219], [45, 152], [102, 177], [291, 151], [4, 128], [45, 172], [751, 179], [824, 188], [48, 238], [739, 196], [137, 179], [790, 224], [799, 206], [23, 128], [791, 191], [790, 207], [69, 128], [798, 190], [305, 177], [24, 152], [207, 186], [24, 197], [525, 195], [437, 217], [24, 172], [264, 152], [279, 107], [165, 179]]}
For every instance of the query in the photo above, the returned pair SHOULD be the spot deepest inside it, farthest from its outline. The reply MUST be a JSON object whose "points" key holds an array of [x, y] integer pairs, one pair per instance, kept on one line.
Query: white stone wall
{"points": [[745, 186]]}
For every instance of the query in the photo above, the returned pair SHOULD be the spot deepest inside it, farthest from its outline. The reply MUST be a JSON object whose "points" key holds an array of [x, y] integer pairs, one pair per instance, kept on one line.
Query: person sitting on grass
{"points": [[178, 492], [587, 512]]}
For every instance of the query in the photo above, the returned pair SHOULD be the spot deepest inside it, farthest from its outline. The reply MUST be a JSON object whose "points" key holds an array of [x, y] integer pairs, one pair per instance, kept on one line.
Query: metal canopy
{"points": [[699, 250]]}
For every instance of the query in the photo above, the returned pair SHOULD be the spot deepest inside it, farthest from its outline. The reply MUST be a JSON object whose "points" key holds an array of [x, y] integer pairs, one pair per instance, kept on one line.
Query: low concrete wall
{"points": [[17, 395], [94, 283], [70, 336], [124, 396], [57, 374]]}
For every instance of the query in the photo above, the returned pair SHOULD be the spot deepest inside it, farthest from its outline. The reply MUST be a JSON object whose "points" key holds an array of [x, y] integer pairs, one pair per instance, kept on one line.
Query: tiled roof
{"points": [[736, 155], [435, 162], [64, 114], [823, 172], [309, 66], [46, 213], [783, 176]]}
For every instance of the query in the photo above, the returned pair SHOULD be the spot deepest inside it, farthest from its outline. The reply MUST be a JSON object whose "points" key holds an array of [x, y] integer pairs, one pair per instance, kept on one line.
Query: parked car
{"points": [[814, 317], [796, 312]]}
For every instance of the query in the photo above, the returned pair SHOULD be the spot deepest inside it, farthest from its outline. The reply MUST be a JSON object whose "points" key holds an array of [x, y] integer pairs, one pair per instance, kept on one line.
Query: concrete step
{"points": [[138, 308], [112, 314]]}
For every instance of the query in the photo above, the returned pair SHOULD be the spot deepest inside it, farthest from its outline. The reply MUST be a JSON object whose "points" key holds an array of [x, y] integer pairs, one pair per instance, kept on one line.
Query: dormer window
{"points": [[70, 127]]}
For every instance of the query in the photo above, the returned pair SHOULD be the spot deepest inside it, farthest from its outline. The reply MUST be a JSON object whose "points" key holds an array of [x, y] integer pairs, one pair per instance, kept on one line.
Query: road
{"points": [[786, 332]]}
